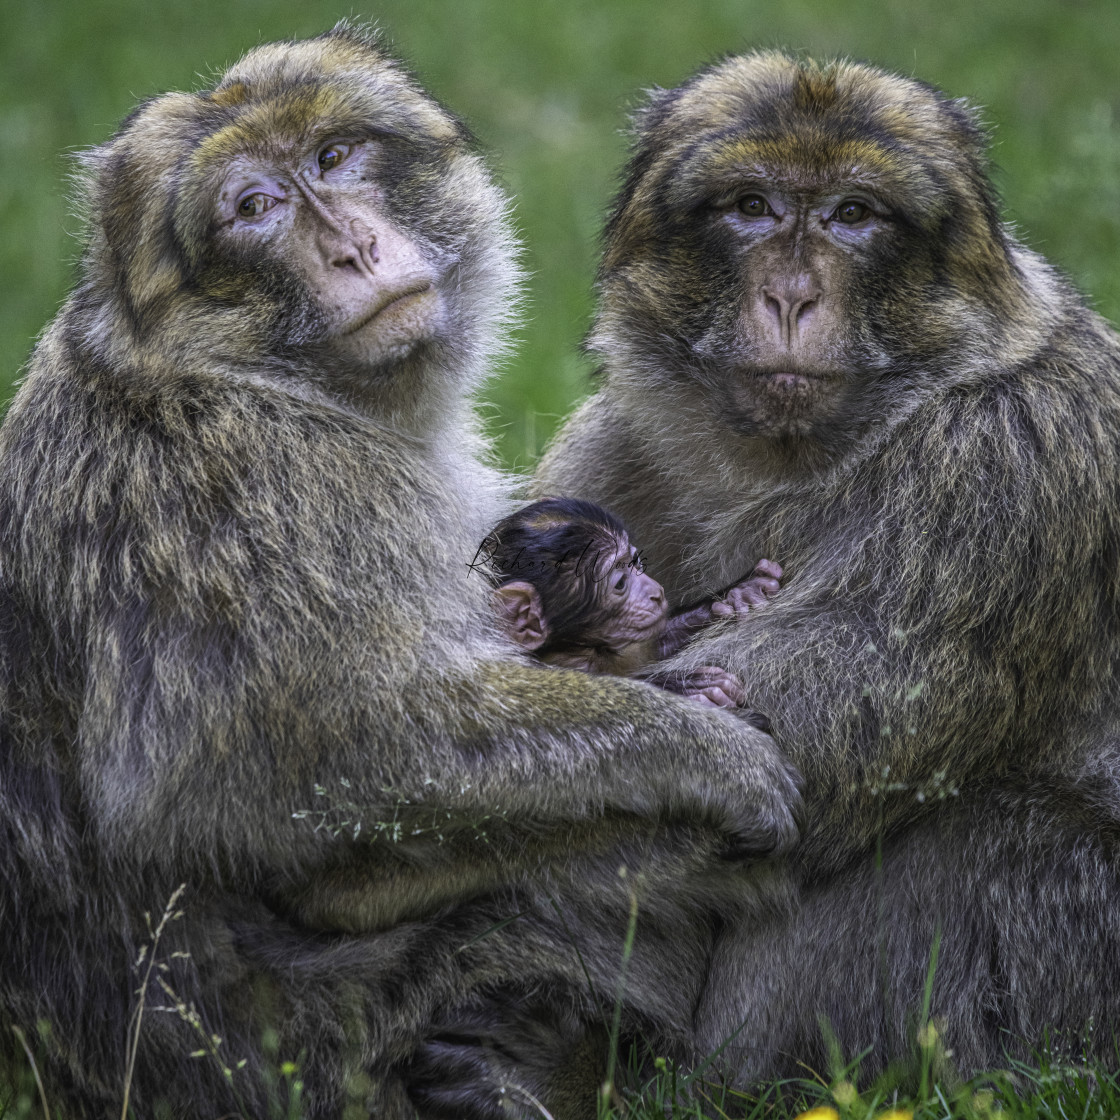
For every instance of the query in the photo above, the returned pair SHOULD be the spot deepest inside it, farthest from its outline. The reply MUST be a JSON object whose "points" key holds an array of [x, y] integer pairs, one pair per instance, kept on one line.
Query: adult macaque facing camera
{"points": [[819, 341], [572, 590]]}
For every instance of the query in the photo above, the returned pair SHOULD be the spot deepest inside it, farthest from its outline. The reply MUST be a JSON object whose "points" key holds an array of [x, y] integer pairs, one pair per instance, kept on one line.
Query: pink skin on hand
{"points": [[752, 593], [711, 685], [714, 687]]}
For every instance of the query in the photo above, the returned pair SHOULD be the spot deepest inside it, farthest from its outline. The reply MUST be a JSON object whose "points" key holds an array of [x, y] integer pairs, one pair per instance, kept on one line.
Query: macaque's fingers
{"points": [[702, 699], [753, 594], [731, 605], [713, 685], [712, 696], [766, 584], [720, 698], [767, 568], [712, 676], [743, 597]]}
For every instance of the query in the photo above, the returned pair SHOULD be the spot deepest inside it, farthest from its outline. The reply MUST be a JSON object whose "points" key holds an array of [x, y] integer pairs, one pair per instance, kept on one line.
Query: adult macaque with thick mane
{"points": [[239, 490], [819, 342]]}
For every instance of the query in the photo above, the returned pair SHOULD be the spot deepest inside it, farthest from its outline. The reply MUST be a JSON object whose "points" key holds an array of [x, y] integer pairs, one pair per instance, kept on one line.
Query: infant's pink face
{"points": [[638, 609]]}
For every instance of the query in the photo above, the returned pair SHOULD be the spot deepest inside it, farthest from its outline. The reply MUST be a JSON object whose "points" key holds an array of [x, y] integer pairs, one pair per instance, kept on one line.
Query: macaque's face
{"points": [[321, 212], [796, 248], [635, 604], [622, 604]]}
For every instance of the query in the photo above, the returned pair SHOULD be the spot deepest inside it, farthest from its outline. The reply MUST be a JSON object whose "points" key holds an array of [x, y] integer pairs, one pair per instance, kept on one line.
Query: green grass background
{"points": [[546, 85]]}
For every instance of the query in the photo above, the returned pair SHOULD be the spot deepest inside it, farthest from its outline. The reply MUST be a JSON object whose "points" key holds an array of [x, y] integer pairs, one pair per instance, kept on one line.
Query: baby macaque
{"points": [[571, 589]]}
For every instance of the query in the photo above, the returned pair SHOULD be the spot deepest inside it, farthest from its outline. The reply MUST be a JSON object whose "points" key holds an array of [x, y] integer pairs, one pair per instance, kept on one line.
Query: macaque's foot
{"points": [[461, 1079]]}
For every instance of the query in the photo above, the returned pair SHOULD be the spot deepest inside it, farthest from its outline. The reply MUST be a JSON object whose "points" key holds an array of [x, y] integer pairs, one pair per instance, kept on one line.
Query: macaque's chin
{"points": [[393, 327], [784, 402], [646, 634]]}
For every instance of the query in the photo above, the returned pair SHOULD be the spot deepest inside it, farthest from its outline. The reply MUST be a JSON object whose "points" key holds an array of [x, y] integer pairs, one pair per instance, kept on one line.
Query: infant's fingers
{"points": [[736, 601], [717, 697], [721, 609], [765, 584], [712, 676], [768, 568], [751, 595], [734, 690], [701, 699]]}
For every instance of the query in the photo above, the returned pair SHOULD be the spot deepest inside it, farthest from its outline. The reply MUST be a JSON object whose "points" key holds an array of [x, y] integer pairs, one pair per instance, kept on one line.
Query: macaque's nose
{"points": [[789, 303], [354, 248], [344, 242]]}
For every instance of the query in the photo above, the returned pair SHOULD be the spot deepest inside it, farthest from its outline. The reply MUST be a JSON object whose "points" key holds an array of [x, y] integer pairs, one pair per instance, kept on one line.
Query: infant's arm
{"points": [[709, 684], [750, 593]]}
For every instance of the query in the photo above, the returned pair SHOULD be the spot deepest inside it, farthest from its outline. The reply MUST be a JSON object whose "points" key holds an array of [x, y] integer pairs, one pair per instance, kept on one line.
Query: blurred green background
{"points": [[546, 86]]}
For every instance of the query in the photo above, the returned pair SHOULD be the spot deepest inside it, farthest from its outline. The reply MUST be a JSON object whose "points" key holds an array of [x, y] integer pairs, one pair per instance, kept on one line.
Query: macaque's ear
{"points": [[519, 608]]}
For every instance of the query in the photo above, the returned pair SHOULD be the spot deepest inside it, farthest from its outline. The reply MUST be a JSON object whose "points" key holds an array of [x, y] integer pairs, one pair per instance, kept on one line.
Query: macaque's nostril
{"points": [[359, 252], [773, 305], [804, 308]]}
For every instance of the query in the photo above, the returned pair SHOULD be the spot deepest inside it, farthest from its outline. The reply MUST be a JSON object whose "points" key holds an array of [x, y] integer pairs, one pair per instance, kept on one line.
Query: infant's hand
{"points": [[709, 685], [753, 592]]}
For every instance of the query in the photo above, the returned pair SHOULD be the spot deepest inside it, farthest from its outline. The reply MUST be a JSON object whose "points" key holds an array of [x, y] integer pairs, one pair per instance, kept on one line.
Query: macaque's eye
{"points": [[620, 583], [255, 204], [755, 206], [332, 155], [851, 212]]}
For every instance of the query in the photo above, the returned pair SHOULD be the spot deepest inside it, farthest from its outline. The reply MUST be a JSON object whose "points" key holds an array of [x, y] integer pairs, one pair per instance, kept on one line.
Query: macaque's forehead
{"points": [[284, 97], [617, 553], [773, 95], [281, 99], [769, 118]]}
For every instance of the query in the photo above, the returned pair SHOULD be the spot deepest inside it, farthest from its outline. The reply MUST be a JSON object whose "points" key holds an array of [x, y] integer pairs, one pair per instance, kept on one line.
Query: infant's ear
{"points": [[519, 607]]}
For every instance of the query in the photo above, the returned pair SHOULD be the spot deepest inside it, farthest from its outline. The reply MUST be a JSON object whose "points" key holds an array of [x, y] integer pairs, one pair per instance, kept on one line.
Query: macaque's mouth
{"points": [[796, 380], [389, 300]]}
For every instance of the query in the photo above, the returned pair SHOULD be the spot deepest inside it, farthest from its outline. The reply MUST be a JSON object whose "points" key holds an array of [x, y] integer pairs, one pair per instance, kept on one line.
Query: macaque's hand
{"points": [[709, 685], [752, 593]]}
